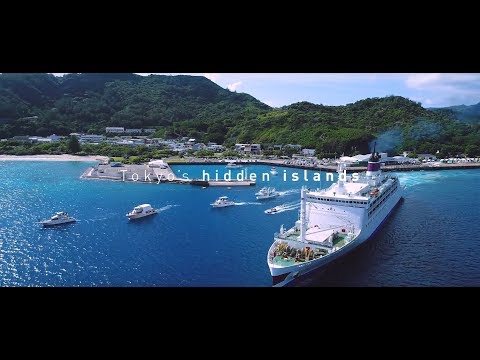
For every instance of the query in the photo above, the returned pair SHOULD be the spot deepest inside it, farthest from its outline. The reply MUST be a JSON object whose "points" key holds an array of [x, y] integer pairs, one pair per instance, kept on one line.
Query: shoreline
{"points": [[333, 168], [101, 159], [63, 157]]}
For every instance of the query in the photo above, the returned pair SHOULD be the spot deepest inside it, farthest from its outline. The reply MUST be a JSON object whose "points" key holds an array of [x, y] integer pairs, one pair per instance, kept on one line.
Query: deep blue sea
{"points": [[431, 239]]}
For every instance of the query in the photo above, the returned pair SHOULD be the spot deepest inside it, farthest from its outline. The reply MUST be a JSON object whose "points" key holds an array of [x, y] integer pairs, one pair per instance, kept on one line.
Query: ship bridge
{"points": [[347, 193]]}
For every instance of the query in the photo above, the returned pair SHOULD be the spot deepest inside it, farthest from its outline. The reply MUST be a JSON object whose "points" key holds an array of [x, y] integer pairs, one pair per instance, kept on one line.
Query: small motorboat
{"points": [[275, 209], [266, 193], [141, 211], [232, 165], [58, 219], [222, 201]]}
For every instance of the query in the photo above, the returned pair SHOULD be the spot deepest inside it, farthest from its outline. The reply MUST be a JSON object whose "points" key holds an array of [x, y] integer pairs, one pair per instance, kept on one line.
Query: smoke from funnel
{"points": [[425, 130], [387, 141]]}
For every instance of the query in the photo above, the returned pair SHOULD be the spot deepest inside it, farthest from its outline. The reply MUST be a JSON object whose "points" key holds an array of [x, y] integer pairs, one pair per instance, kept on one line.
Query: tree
{"points": [[73, 145], [205, 153]]}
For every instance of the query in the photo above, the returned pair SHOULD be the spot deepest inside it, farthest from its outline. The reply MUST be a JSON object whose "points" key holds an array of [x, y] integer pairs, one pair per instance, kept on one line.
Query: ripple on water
{"points": [[429, 240]]}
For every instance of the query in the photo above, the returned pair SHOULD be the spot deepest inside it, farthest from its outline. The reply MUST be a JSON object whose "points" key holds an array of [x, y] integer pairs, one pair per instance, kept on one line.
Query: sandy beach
{"points": [[64, 157]]}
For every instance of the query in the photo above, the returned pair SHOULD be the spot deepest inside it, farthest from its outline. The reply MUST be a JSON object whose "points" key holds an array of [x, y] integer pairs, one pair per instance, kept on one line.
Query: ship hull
{"points": [[56, 223], [265, 197], [140, 216], [285, 275], [221, 205]]}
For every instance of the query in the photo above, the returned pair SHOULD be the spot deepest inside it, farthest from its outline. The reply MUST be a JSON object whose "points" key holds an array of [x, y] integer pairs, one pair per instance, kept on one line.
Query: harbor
{"points": [[152, 175]]}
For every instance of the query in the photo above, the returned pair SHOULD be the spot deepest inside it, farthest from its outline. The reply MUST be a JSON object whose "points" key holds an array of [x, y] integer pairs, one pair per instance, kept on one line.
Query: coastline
{"points": [[63, 157], [333, 168]]}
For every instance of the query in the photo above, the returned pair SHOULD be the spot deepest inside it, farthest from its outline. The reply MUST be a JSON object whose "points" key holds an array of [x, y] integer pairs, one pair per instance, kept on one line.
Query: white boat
{"points": [[141, 211], [58, 219], [266, 193], [222, 201], [333, 222], [233, 165], [273, 171], [275, 209]]}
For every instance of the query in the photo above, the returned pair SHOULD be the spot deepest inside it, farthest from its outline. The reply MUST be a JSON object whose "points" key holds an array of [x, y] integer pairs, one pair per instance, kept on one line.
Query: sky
{"points": [[430, 89]]}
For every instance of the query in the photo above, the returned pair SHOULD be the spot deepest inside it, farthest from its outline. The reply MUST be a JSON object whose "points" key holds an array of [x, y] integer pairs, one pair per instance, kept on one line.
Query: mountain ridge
{"points": [[194, 106]]}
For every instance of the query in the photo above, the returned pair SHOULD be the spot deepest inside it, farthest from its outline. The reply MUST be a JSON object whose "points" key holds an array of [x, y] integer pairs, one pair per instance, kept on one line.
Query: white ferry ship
{"points": [[333, 222]]}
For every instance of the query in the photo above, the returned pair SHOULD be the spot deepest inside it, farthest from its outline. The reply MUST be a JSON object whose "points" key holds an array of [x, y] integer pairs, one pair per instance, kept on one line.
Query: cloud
{"points": [[234, 86], [271, 103], [212, 76], [418, 81], [445, 89]]}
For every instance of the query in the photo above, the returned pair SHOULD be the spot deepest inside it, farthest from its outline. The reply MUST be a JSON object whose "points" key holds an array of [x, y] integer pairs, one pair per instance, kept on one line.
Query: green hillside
{"points": [[90, 102], [469, 114], [394, 122], [42, 104]]}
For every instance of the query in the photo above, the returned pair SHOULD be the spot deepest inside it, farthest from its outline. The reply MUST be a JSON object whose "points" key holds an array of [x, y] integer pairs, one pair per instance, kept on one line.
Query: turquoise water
{"points": [[429, 240]]}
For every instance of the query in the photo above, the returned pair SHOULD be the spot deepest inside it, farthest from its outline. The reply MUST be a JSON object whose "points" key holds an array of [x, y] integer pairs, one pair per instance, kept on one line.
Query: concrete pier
{"points": [[135, 173]]}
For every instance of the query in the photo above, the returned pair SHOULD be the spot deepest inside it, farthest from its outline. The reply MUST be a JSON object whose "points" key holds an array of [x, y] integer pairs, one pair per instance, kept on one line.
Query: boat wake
{"points": [[104, 218], [288, 192], [285, 207], [414, 178], [248, 203], [166, 207]]}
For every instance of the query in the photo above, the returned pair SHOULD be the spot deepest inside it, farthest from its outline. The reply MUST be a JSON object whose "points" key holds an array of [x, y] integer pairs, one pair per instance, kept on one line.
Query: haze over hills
{"points": [[42, 104], [464, 113]]}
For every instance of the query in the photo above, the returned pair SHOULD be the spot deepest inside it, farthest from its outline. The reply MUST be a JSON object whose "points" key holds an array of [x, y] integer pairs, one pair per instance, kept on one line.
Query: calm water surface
{"points": [[431, 239]]}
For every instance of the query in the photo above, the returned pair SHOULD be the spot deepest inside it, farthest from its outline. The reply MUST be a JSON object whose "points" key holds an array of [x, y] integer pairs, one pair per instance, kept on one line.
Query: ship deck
{"points": [[286, 258], [315, 235]]}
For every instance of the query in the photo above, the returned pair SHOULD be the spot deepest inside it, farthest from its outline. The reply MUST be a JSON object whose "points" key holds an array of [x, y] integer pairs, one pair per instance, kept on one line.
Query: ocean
{"points": [[431, 239]]}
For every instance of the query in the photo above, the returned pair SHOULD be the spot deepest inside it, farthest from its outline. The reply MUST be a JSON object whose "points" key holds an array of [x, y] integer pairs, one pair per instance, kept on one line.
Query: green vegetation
{"points": [[128, 154], [42, 104], [193, 106], [73, 145], [467, 114], [19, 148]]}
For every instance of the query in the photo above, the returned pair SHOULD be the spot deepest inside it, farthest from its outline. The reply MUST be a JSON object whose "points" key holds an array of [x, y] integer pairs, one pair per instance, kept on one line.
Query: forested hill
{"points": [[394, 122], [90, 102], [42, 104], [464, 113]]}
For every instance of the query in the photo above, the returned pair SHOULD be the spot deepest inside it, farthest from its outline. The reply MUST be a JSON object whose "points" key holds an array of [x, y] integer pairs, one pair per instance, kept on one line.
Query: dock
{"points": [[152, 175], [205, 183], [133, 173], [156, 175]]}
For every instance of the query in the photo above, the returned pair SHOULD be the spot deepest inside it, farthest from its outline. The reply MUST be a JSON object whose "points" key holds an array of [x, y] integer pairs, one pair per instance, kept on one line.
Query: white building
{"points": [[149, 131], [293, 146], [254, 149], [115, 130], [133, 131], [215, 147], [40, 139], [308, 152], [91, 138], [198, 146]]}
